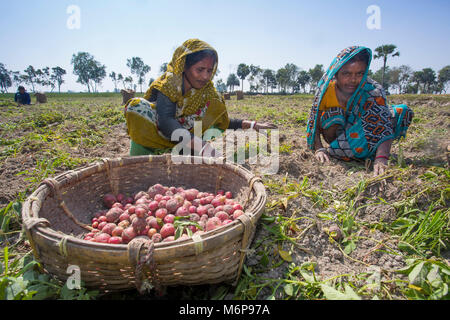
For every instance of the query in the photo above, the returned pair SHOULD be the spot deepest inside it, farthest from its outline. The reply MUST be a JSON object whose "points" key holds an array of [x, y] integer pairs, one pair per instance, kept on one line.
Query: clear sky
{"points": [[268, 33]]}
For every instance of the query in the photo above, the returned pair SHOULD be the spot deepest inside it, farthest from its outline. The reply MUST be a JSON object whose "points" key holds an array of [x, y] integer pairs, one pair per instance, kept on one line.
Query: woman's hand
{"points": [[322, 155], [246, 124], [379, 166], [264, 125]]}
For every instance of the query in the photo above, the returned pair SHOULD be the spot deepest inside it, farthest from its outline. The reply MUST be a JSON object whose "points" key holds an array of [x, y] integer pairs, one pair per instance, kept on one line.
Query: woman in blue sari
{"points": [[350, 111]]}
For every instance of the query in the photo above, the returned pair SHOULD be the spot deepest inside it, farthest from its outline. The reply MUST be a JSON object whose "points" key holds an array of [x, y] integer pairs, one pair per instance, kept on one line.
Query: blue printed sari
{"points": [[367, 121]]}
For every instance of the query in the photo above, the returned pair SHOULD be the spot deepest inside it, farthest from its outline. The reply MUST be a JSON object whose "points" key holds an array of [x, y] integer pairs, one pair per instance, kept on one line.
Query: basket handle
{"points": [[139, 261], [54, 186], [249, 228], [252, 182]]}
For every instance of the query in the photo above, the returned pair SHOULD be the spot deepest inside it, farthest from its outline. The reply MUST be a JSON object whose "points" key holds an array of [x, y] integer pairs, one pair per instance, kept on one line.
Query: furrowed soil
{"points": [[324, 223]]}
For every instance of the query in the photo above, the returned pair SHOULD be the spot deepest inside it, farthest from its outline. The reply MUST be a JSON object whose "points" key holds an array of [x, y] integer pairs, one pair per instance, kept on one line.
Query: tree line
{"points": [[90, 72], [291, 79], [288, 79]]}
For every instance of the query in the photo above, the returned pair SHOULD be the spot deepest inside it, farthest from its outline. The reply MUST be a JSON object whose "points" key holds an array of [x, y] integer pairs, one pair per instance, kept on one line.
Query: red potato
{"points": [[129, 200], [226, 221], [124, 216], [172, 205], [124, 224], [132, 217], [168, 239], [156, 189], [109, 199], [213, 223], [237, 206], [120, 197], [156, 238], [230, 201], [117, 232], [179, 198], [117, 205], [228, 208], [155, 223], [115, 240], [170, 218], [228, 194], [131, 209], [140, 194], [102, 219], [141, 201], [113, 214], [167, 197], [145, 231], [100, 213], [128, 234], [140, 212], [211, 212], [158, 197], [194, 217], [153, 206], [237, 213], [182, 212], [202, 210], [222, 215], [87, 238], [216, 202], [95, 224], [138, 224], [167, 230], [94, 220], [221, 192], [151, 232], [162, 204], [108, 228], [218, 208], [192, 209], [191, 194], [196, 202], [101, 225], [161, 213], [102, 237], [184, 236]]}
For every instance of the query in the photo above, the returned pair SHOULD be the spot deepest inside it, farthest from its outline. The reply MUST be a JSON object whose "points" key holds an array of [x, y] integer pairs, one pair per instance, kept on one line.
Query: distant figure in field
{"points": [[22, 96], [41, 97], [351, 112]]}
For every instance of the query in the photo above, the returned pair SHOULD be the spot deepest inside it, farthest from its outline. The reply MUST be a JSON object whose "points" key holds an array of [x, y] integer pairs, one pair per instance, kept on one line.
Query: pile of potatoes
{"points": [[162, 214]]}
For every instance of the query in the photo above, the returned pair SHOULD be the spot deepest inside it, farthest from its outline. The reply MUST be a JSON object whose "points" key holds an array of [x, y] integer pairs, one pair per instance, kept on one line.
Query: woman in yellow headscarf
{"points": [[184, 94]]}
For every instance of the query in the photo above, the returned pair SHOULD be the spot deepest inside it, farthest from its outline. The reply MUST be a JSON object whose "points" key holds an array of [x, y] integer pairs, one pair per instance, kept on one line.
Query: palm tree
{"points": [[383, 52], [243, 71]]}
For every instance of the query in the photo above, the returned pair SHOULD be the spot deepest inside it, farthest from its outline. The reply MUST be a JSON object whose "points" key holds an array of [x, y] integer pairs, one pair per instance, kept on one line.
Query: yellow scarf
{"points": [[170, 84]]}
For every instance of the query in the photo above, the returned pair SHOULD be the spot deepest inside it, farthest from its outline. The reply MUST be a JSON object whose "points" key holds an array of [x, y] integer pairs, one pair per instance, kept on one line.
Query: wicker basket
{"points": [[57, 214]]}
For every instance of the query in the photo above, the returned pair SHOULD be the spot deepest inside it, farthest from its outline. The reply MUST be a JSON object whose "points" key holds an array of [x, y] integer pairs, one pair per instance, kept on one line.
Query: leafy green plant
{"points": [[427, 279]]}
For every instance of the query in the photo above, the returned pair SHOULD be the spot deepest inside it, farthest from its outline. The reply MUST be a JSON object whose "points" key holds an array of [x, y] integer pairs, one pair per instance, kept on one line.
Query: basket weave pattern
{"points": [[60, 210]]}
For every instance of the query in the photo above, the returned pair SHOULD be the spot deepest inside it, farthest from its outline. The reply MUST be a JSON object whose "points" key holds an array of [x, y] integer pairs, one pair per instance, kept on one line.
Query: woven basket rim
{"points": [[53, 235]]}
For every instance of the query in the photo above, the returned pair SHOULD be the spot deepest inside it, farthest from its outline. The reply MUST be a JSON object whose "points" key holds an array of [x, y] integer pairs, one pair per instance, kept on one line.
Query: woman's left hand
{"points": [[264, 125], [379, 166]]}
